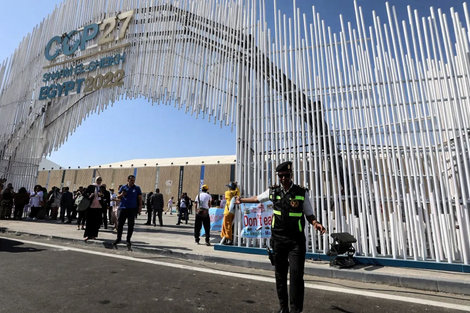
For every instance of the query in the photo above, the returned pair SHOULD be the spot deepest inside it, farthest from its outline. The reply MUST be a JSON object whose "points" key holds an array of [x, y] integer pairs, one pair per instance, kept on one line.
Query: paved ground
{"points": [[178, 241], [71, 277]]}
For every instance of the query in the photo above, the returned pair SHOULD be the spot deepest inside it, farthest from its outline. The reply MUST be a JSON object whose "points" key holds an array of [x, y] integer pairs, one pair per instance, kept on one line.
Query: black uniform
{"points": [[288, 243]]}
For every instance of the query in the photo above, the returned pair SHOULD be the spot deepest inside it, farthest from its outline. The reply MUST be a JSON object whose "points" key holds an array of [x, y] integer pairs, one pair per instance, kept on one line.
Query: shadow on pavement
{"points": [[13, 246], [142, 246]]}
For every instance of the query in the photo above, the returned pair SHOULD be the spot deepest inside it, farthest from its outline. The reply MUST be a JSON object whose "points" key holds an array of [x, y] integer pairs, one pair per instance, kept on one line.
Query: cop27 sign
{"points": [[105, 31], [89, 37], [257, 219]]}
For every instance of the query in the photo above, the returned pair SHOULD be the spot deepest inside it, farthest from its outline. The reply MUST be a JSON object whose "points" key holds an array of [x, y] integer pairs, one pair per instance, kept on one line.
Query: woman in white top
{"points": [[37, 197]]}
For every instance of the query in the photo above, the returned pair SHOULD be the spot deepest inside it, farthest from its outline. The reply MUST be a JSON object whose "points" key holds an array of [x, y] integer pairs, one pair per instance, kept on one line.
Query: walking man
{"points": [[291, 204], [130, 197], [183, 208], [106, 203], [157, 203], [202, 203], [148, 204], [66, 204], [170, 204]]}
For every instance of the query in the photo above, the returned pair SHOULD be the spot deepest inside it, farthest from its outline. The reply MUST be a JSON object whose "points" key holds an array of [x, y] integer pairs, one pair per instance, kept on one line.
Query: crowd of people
{"points": [[56, 204], [95, 206]]}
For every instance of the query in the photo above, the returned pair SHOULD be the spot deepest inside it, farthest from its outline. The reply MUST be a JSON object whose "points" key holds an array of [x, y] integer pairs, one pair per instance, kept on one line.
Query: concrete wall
{"points": [[167, 178]]}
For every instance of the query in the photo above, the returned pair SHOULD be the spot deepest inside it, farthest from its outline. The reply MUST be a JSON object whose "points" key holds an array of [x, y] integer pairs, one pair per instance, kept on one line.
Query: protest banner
{"points": [[257, 219], [217, 216]]}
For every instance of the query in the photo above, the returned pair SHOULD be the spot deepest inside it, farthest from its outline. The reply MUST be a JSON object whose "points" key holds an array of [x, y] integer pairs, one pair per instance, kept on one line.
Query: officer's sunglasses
{"points": [[285, 175]]}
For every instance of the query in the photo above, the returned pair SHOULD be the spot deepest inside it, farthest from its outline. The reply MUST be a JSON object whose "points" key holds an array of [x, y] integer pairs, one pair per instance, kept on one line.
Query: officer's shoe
{"points": [[283, 310]]}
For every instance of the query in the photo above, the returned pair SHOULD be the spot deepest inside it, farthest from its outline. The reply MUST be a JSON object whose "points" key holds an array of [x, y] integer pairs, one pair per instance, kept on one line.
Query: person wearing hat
{"points": [[291, 203], [203, 204], [227, 232], [93, 212]]}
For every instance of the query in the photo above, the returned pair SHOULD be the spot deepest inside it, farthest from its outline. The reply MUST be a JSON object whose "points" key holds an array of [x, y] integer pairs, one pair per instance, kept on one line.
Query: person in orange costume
{"points": [[227, 230]]}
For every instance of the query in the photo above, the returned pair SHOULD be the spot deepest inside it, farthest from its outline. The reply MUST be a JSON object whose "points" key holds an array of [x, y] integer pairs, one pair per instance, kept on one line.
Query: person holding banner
{"points": [[291, 203], [227, 231]]}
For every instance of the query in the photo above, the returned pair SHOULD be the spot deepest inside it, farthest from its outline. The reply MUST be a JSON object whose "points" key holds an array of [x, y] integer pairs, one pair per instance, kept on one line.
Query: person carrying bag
{"points": [[82, 203], [202, 202]]}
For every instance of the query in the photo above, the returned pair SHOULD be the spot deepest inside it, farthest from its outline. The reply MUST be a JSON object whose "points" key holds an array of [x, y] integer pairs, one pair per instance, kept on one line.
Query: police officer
{"points": [[291, 204]]}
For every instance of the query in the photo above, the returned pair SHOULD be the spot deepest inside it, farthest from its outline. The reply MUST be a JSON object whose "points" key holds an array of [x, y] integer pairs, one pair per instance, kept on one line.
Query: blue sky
{"points": [[136, 129]]}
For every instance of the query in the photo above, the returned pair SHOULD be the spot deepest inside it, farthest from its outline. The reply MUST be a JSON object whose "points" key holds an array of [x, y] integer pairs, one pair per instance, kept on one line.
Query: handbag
{"points": [[203, 212], [83, 205]]}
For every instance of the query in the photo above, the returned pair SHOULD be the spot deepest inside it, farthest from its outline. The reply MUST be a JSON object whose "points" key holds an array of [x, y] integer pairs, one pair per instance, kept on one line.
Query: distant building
{"points": [[171, 175]]}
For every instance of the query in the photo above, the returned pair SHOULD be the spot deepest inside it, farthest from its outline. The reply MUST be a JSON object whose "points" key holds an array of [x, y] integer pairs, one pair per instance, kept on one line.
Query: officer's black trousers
{"points": [[289, 253]]}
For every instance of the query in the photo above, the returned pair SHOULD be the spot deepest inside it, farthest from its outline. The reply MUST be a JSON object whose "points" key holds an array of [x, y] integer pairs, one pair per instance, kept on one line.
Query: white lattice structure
{"points": [[375, 117]]}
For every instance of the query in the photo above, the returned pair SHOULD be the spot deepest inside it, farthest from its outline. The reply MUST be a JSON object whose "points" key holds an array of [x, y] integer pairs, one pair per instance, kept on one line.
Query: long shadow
{"points": [[108, 244], [154, 231], [13, 246], [335, 308], [170, 229]]}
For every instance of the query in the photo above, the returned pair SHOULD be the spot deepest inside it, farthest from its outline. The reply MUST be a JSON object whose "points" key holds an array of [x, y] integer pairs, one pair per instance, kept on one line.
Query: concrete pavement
{"points": [[178, 241]]}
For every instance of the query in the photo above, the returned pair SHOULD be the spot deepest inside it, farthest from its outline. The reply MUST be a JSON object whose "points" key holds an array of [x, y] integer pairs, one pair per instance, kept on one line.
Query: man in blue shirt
{"points": [[131, 204]]}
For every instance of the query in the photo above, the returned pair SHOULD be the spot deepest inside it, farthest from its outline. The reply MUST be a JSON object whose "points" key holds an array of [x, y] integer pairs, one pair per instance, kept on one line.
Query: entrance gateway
{"points": [[374, 117]]}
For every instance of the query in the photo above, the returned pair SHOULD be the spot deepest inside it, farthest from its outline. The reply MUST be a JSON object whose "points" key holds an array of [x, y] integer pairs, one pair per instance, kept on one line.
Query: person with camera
{"points": [[292, 206], [130, 196], [81, 219]]}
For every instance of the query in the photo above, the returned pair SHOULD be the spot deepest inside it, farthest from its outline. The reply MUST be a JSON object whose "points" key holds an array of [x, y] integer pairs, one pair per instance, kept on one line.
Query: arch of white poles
{"points": [[374, 117]]}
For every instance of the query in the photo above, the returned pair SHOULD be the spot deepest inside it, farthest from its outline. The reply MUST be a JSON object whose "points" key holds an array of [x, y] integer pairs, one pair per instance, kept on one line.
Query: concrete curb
{"points": [[433, 284]]}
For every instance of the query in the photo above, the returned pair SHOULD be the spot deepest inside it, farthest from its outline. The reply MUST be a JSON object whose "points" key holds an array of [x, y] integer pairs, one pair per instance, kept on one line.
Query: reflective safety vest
{"points": [[288, 217]]}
